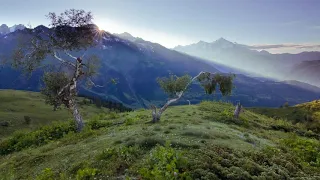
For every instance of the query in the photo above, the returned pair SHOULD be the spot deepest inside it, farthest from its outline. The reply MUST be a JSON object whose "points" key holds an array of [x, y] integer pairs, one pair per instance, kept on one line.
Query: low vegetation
{"points": [[190, 142], [25, 111], [307, 114]]}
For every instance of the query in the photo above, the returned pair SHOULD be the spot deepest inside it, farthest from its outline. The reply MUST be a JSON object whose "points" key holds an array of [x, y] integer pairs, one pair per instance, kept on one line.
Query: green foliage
{"points": [[307, 150], [129, 121], [53, 83], [86, 174], [46, 174], [209, 82], [226, 163], [27, 119], [165, 163], [112, 115], [97, 124], [39, 137], [174, 84], [211, 149], [283, 125], [73, 30], [45, 134], [116, 159]]}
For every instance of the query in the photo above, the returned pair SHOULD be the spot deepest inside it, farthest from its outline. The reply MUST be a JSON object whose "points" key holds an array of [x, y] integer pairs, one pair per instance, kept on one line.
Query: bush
{"points": [[97, 124], [27, 119], [165, 163], [117, 160], [86, 174], [4, 124], [46, 174], [307, 150], [226, 163], [39, 137], [113, 115], [129, 121]]}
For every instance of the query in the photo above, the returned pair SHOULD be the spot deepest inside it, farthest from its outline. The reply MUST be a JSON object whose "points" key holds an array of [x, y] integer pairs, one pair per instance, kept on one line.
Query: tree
{"points": [[175, 86], [70, 32]]}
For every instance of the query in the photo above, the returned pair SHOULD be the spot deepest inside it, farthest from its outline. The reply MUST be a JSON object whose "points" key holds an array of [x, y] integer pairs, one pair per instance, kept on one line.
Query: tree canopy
{"points": [[173, 84], [70, 32], [210, 81]]}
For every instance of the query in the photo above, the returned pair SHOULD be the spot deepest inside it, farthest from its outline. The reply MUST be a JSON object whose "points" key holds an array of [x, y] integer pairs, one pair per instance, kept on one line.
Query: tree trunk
{"points": [[76, 115], [155, 115], [237, 111]]}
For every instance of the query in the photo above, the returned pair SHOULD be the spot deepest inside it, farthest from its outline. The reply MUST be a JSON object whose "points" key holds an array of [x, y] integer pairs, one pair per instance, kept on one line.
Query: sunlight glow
{"points": [[165, 39]]}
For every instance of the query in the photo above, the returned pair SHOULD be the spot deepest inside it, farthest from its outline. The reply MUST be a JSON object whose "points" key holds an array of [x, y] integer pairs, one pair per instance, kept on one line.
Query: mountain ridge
{"points": [[241, 56], [5, 29], [137, 65]]}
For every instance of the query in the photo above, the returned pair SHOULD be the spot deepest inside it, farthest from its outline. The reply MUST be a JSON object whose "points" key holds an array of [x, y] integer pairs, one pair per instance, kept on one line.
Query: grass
{"points": [[14, 105], [190, 142]]}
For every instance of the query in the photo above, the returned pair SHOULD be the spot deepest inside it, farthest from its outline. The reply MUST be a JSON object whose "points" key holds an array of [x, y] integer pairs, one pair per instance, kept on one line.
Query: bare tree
{"points": [[71, 32], [175, 87]]}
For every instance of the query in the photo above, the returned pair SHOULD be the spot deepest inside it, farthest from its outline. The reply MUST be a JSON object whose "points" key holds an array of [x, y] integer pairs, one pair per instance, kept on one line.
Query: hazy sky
{"points": [[292, 25]]}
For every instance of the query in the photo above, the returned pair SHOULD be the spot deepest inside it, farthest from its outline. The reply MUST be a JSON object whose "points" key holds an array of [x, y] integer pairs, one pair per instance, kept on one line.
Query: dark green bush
{"points": [[46, 134], [86, 174], [39, 137], [27, 119], [165, 162], [117, 160], [225, 163], [307, 150], [97, 124]]}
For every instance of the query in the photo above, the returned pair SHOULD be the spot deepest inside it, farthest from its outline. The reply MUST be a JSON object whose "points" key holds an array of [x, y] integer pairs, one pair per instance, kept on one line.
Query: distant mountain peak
{"points": [[5, 29], [222, 41], [126, 35]]}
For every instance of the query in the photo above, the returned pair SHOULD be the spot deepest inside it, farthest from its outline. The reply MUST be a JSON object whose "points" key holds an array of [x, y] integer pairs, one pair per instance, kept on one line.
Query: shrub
{"points": [[226, 163], [113, 115], [97, 124], [39, 137], [46, 174], [307, 150], [86, 174], [164, 162], [27, 119], [116, 160], [129, 121], [4, 124], [150, 142]]}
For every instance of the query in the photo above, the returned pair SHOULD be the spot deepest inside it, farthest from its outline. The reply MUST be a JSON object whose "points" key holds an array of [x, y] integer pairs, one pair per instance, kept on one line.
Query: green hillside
{"points": [[191, 142], [306, 114], [14, 105]]}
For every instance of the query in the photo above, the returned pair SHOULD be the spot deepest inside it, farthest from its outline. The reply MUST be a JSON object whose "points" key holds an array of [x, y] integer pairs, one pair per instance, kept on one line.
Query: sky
{"points": [[274, 25]]}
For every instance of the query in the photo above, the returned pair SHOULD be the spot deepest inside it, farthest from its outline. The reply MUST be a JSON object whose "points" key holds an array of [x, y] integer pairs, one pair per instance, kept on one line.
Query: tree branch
{"points": [[63, 61], [92, 83], [70, 55]]}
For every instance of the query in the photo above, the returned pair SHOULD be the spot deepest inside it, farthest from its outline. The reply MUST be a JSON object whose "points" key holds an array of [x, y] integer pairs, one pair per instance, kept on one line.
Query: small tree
{"points": [[175, 86], [70, 32]]}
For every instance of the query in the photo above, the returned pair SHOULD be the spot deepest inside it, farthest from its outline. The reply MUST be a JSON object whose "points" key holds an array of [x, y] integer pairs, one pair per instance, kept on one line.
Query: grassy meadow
{"points": [[190, 142]]}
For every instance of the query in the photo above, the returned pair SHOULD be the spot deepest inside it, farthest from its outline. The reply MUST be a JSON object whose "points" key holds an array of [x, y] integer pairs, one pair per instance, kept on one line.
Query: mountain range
{"points": [[4, 29], [136, 64], [278, 66]]}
